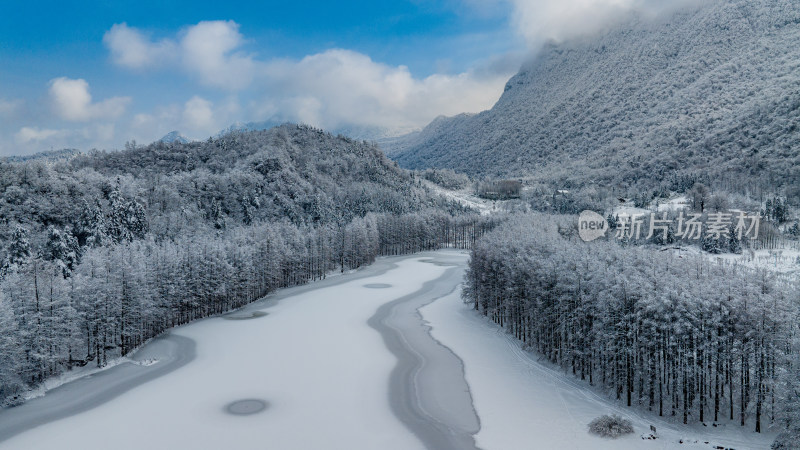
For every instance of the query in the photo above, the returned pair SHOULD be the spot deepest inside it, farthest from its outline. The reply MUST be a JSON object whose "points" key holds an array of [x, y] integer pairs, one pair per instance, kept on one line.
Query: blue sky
{"points": [[55, 54], [96, 74]]}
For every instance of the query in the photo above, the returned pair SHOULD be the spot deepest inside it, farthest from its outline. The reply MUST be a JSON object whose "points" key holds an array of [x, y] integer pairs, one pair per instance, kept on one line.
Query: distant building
{"points": [[499, 189]]}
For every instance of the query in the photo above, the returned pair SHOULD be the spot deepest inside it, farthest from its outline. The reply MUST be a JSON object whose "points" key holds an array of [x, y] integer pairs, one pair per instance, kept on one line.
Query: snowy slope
{"points": [[713, 90], [464, 197]]}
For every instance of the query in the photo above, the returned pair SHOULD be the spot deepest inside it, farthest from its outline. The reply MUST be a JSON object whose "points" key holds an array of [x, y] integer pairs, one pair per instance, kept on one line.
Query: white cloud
{"points": [[30, 139], [132, 48], [33, 134], [541, 20], [198, 114], [197, 118], [101, 132], [152, 125], [332, 88], [339, 87], [71, 101], [95, 133], [209, 49]]}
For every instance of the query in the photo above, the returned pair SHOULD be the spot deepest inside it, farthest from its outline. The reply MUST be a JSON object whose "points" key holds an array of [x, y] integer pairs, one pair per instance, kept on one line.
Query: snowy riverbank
{"points": [[312, 361]]}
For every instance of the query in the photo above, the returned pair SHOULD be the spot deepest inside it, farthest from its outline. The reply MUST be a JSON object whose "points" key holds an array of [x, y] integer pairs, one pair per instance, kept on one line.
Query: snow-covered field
{"points": [[465, 197], [782, 261], [323, 376], [673, 204]]}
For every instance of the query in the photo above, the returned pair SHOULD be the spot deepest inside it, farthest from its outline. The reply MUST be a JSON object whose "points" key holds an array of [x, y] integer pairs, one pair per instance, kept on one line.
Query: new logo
{"points": [[591, 226]]}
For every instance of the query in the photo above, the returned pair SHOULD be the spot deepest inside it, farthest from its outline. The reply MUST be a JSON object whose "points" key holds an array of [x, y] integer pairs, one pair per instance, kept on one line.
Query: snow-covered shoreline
{"points": [[524, 403], [97, 387]]}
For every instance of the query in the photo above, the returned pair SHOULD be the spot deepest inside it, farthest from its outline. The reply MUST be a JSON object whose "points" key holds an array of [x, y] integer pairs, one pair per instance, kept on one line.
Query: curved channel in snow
{"points": [[427, 389], [525, 403]]}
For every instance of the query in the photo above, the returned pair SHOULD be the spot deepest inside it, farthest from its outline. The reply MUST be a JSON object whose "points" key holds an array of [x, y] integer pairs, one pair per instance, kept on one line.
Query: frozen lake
{"points": [[387, 357]]}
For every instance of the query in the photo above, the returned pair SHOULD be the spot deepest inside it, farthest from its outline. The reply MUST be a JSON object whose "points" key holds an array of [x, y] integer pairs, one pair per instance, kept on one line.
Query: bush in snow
{"points": [[785, 441], [612, 426]]}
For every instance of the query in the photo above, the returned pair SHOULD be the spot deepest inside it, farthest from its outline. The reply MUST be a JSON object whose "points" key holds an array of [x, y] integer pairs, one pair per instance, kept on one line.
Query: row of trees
{"points": [[681, 336]]}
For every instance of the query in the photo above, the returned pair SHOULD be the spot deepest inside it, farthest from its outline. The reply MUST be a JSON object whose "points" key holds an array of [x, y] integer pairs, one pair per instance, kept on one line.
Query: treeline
{"points": [[677, 335], [446, 178]]}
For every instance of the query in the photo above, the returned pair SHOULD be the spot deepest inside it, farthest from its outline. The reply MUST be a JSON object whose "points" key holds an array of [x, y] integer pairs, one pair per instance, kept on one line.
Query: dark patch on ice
{"points": [[240, 316], [439, 262], [246, 407], [377, 285]]}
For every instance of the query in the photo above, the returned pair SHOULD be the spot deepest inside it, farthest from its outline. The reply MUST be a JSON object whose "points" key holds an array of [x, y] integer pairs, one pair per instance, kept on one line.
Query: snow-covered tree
{"points": [[62, 248], [127, 219], [90, 229], [679, 336], [18, 252]]}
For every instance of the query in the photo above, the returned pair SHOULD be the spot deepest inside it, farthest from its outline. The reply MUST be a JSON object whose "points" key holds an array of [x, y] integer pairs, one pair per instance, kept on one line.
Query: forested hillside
{"points": [[680, 336], [104, 251], [290, 172], [713, 90]]}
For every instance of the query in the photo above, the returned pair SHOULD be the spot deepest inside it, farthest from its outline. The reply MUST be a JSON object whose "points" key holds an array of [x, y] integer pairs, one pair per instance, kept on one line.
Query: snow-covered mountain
{"points": [[358, 132], [48, 156], [399, 145], [249, 126], [174, 136], [714, 89]]}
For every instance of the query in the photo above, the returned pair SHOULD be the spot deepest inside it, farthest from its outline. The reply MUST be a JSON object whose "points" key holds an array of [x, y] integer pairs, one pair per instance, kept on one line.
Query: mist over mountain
{"points": [[358, 132], [47, 156], [714, 89]]}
